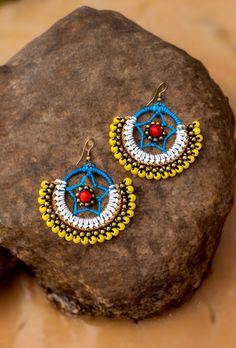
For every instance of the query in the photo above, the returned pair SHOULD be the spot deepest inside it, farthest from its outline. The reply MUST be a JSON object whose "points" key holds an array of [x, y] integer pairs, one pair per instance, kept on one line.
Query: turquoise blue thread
{"points": [[89, 170], [159, 110]]}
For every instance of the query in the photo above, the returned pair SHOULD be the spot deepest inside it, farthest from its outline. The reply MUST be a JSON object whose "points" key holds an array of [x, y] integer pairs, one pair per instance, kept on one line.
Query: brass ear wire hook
{"points": [[88, 145], [159, 91]]}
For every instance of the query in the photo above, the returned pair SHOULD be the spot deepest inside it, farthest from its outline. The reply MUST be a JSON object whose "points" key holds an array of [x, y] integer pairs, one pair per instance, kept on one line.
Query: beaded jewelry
{"points": [[154, 133], [87, 195]]}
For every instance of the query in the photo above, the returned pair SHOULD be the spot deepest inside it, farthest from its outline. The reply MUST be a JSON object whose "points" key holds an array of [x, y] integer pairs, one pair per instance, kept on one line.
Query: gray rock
{"points": [[68, 84]]}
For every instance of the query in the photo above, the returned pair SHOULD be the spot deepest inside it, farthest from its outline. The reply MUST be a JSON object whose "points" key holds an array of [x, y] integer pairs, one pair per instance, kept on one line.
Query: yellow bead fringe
{"points": [[89, 237], [156, 172]]}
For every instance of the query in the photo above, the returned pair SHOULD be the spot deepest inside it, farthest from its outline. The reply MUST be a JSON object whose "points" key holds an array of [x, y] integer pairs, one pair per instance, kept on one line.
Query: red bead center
{"points": [[155, 130], [85, 196]]}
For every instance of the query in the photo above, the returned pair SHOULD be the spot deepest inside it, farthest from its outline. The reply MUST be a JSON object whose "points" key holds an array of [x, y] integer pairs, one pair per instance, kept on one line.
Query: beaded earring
{"points": [[165, 159], [82, 192]]}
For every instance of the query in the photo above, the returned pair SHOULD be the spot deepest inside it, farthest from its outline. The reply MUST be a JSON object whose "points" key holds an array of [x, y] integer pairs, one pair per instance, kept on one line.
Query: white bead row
{"points": [[84, 223], [148, 158]]}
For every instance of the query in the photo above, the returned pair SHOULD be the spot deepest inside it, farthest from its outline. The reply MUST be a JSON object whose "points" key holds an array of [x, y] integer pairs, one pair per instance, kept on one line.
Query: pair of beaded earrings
{"points": [[67, 205]]}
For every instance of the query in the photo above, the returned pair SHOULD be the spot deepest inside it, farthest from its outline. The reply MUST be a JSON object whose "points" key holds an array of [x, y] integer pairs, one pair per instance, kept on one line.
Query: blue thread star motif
{"points": [[89, 170], [163, 123], [158, 111]]}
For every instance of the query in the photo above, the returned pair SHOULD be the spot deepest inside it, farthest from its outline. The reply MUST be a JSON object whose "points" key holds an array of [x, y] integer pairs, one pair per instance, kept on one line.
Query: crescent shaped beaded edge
{"points": [[111, 228], [157, 171]]}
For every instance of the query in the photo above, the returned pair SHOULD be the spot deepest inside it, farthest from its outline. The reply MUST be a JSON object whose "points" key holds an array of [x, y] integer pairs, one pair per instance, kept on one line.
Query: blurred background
{"points": [[206, 30]]}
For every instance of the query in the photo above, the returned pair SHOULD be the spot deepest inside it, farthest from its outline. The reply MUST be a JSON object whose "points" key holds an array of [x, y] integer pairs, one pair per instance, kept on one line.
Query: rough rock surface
{"points": [[67, 85], [7, 263]]}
